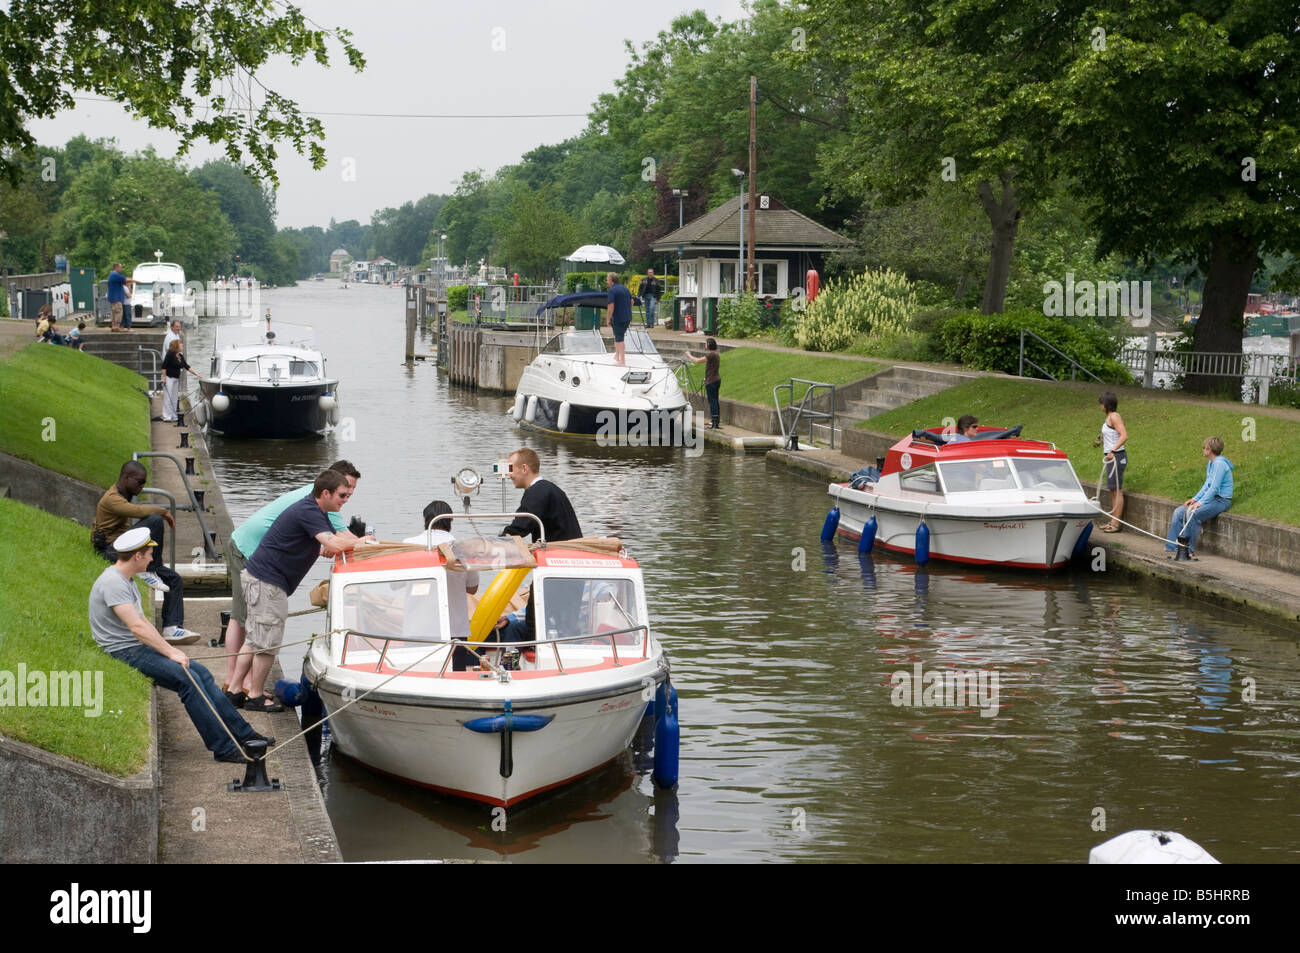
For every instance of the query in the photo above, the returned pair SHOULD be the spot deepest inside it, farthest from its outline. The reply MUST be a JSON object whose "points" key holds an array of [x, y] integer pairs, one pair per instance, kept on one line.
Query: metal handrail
{"points": [[1051, 347], [209, 547], [803, 410], [1211, 363], [171, 503], [155, 383], [453, 643]]}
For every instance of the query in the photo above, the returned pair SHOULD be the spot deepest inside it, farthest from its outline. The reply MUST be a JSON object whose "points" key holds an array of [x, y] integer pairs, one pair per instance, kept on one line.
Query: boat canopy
{"points": [[254, 334], [580, 299], [575, 342]]}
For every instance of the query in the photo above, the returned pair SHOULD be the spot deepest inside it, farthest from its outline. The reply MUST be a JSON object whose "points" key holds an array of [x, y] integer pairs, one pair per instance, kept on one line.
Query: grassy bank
{"points": [[1165, 436], [43, 625], [71, 412], [750, 373]]}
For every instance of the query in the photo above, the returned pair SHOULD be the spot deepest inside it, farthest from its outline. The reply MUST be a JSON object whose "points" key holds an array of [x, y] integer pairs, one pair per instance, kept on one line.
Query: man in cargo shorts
{"points": [[119, 289], [242, 544], [288, 551]]}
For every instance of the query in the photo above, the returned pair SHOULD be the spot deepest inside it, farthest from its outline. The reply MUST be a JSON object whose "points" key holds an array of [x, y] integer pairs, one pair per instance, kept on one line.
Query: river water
{"points": [[1118, 704]]}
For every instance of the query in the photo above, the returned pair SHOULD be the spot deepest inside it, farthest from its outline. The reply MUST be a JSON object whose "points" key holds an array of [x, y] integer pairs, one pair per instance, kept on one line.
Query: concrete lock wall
{"points": [[57, 811], [49, 491]]}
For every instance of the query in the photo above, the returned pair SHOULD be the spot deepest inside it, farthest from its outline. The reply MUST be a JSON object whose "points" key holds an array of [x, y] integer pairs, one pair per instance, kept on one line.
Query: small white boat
{"points": [[499, 734], [267, 383], [574, 387], [159, 295], [992, 500]]}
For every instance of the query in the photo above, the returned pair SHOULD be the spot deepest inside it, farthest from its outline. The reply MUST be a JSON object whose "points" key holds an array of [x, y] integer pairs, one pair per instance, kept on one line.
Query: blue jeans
{"points": [[1200, 516], [651, 302], [173, 607], [164, 672], [711, 391]]}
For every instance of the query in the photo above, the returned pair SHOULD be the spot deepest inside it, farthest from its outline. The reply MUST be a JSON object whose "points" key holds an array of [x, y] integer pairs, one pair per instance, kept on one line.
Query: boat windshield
{"points": [[970, 476], [590, 607], [576, 342], [409, 610], [274, 367], [637, 341], [1046, 475], [253, 334]]}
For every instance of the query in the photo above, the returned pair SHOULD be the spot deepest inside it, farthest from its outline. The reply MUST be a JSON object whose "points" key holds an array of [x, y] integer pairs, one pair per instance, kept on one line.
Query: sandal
{"points": [[1111, 527], [263, 703], [236, 698]]}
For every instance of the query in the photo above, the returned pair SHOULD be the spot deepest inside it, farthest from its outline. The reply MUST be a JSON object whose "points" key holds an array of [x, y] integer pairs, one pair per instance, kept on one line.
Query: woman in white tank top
{"points": [[1114, 441]]}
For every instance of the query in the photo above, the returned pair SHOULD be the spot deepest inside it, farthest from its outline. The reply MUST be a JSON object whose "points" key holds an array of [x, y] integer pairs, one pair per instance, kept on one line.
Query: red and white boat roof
{"points": [[917, 451]]}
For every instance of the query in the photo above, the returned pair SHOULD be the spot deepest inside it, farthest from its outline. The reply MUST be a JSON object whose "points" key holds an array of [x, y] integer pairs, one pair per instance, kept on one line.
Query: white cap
{"points": [[134, 539]]}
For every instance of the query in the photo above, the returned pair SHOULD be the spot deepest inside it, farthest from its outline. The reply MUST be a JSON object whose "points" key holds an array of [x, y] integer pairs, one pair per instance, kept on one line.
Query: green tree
{"points": [[534, 232], [249, 206], [122, 208], [401, 233], [190, 68]]}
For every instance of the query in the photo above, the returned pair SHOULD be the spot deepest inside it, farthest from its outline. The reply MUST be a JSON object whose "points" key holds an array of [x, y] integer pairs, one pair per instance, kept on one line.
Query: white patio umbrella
{"points": [[597, 253]]}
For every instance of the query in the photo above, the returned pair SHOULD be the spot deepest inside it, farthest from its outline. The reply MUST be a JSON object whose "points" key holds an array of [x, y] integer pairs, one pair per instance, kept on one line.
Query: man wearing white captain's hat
{"points": [[120, 628]]}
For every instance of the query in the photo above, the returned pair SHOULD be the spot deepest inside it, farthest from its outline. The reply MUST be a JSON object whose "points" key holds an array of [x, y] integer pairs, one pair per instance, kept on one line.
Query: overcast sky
{"points": [[555, 56]]}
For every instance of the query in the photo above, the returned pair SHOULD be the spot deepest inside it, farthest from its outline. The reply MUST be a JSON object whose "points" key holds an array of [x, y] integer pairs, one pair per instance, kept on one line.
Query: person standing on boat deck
{"points": [[118, 286], [967, 427], [243, 542], [651, 291], [712, 379], [619, 313], [1114, 456], [459, 584], [173, 363], [548, 503], [113, 516], [299, 535], [119, 627], [1214, 496]]}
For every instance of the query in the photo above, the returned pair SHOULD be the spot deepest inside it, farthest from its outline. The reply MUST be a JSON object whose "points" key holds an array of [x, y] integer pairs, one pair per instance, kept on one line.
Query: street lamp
{"points": [[740, 265], [680, 194]]}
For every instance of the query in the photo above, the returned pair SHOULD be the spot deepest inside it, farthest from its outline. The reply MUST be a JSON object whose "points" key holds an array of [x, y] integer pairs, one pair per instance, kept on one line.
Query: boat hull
{"points": [[424, 741], [1000, 536], [632, 425], [265, 411]]}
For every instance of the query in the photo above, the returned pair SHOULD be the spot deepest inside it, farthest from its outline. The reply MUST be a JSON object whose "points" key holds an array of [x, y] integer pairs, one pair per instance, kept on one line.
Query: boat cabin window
{"points": [[576, 342], [246, 369], [920, 480], [405, 609], [968, 476], [637, 341], [299, 368], [1046, 475], [590, 607]]}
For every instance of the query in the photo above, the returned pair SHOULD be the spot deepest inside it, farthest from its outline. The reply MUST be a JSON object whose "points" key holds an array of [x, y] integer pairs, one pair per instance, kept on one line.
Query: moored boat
{"points": [[269, 384], [573, 386], [994, 499], [499, 734]]}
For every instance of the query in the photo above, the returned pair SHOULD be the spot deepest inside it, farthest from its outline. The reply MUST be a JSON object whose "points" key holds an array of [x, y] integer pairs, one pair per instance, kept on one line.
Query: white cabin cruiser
{"points": [[267, 383], [535, 715], [573, 386], [159, 295]]}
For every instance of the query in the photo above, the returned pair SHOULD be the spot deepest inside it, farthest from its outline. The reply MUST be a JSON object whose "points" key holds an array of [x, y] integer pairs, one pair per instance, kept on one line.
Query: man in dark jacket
{"points": [[650, 292]]}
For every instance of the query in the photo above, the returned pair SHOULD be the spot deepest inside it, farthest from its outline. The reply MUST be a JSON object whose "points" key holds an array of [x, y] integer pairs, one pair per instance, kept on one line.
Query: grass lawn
{"points": [[71, 412], [1165, 436], [750, 373], [45, 627]]}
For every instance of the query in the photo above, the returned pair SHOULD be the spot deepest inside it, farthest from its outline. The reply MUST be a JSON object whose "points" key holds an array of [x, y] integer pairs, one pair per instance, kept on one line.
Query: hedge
{"points": [[991, 342]]}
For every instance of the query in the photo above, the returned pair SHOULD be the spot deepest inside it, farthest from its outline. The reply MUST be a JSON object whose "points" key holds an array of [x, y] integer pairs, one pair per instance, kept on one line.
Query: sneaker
{"points": [[181, 637], [151, 580]]}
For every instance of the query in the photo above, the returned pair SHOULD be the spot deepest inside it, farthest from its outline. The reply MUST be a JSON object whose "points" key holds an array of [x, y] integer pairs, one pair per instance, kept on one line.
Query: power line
{"points": [[359, 115]]}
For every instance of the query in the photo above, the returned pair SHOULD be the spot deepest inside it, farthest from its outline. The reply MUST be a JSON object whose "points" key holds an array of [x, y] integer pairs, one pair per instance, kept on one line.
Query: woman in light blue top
{"points": [[1213, 498]]}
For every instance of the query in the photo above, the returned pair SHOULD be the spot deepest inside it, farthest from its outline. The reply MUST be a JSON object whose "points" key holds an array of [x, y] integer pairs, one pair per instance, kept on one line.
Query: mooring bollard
{"points": [[180, 418], [225, 621], [198, 498], [189, 466], [255, 779], [185, 440]]}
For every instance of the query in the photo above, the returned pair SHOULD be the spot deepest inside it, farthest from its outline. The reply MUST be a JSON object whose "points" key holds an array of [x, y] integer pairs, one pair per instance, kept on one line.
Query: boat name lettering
{"points": [[1020, 525], [567, 563], [376, 710], [616, 705]]}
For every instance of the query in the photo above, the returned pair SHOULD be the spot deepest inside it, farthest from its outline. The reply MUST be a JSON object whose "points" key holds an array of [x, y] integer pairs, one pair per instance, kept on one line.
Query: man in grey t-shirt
{"points": [[118, 624]]}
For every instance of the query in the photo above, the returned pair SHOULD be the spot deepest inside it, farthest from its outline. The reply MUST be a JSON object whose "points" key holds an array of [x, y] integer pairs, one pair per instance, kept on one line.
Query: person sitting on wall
{"points": [[119, 627], [1214, 497]]}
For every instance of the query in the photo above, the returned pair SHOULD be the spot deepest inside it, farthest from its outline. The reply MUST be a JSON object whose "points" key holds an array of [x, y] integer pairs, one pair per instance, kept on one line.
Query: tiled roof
{"points": [[774, 226]]}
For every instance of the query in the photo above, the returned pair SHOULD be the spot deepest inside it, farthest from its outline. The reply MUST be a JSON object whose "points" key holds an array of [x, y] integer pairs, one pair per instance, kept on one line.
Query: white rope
{"points": [[1095, 505]]}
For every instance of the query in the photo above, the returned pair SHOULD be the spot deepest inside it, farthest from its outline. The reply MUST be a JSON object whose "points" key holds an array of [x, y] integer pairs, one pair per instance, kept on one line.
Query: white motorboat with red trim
{"points": [[994, 499], [496, 734]]}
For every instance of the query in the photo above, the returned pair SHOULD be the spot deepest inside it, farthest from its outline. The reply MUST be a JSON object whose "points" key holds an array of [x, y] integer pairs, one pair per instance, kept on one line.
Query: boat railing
{"points": [[466, 643], [489, 516]]}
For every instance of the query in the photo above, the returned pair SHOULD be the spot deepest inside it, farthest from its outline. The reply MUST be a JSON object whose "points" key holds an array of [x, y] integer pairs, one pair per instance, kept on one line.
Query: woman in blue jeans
{"points": [[1214, 497]]}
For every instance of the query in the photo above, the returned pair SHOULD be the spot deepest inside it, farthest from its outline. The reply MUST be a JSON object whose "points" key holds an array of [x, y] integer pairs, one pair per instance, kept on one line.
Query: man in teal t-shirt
{"points": [[241, 545]]}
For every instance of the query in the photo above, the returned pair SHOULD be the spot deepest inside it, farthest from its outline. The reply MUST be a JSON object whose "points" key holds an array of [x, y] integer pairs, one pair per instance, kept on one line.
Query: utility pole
{"points": [[753, 127]]}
